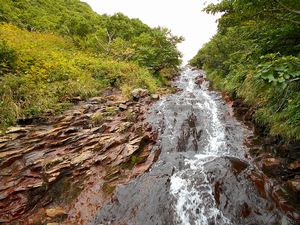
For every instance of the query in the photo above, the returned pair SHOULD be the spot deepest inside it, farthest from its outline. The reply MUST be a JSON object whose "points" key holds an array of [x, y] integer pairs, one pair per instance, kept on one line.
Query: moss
{"points": [[108, 188], [65, 190], [113, 173], [138, 157]]}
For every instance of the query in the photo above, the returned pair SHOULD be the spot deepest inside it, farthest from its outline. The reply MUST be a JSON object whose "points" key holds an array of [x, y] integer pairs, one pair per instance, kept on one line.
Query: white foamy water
{"points": [[194, 200]]}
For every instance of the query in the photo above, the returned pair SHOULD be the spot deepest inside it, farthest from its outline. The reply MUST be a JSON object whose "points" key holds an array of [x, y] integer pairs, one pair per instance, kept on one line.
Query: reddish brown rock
{"points": [[295, 185], [271, 162], [68, 160], [55, 212], [123, 106], [294, 165], [139, 93], [259, 182]]}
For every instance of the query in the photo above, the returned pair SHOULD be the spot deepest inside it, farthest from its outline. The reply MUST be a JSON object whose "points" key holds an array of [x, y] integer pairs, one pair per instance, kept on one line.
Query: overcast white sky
{"points": [[183, 17]]}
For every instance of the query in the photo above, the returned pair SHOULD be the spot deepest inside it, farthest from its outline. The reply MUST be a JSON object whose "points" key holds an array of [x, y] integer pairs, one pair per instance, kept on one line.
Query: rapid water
{"points": [[193, 194], [202, 176]]}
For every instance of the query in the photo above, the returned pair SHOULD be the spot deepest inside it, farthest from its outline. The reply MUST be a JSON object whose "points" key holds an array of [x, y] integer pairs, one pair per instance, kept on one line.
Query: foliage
{"points": [[255, 56], [116, 36], [52, 51], [49, 71], [280, 70], [63, 17], [156, 50], [7, 58]]}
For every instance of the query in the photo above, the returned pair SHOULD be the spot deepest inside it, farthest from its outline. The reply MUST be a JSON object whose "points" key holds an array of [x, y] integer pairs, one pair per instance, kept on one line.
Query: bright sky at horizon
{"points": [[184, 18]]}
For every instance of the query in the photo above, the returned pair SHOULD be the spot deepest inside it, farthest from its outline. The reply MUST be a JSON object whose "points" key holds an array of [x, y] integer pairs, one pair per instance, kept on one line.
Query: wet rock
{"points": [[272, 166], [97, 100], [82, 157], [238, 166], [139, 93], [295, 185], [294, 165], [155, 96], [199, 80], [55, 212], [271, 162], [76, 99], [16, 130], [235, 195], [293, 150], [123, 107], [54, 162]]}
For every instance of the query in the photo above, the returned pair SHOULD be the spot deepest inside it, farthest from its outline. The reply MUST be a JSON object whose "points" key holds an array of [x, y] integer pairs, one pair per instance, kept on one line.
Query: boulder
{"points": [[271, 162], [76, 99], [294, 165], [295, 184], [272, 166], [123, 106], [155, 96], [55, 212], [139, 93], [199, 80], [97, 100]]}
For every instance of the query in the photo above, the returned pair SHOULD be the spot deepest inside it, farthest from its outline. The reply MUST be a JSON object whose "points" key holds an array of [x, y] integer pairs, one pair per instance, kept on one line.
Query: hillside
{"points": [[255, 56], [52, 52]]}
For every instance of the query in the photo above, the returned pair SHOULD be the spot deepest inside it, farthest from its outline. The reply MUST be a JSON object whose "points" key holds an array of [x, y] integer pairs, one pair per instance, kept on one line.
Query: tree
{"points": [[157, 50], [255, 56]]}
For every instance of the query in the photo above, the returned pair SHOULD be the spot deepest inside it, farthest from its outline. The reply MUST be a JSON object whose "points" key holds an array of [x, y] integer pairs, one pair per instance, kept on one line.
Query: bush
{"points": [[7, 58], [50, 70]]}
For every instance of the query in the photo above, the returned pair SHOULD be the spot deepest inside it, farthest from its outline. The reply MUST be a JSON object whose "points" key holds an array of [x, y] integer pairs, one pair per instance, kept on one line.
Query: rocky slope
{"points": [[279, 160], [67, 167]]}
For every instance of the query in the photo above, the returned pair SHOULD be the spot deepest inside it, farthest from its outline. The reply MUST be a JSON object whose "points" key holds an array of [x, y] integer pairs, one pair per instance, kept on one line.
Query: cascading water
{"points": [[202, 176], [195, 204]]}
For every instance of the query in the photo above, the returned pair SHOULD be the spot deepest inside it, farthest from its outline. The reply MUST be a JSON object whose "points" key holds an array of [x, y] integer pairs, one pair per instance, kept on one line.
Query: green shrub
{"points": [[50, 71]]}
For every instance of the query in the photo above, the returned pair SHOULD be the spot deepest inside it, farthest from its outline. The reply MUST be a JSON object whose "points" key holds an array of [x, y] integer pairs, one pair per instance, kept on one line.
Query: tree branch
{"points": [[101, 45], [295, 79], [289, 20]]}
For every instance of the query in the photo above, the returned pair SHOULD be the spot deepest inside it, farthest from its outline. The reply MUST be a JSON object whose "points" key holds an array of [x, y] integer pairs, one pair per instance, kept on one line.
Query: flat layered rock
{"points": [[79, 157]]}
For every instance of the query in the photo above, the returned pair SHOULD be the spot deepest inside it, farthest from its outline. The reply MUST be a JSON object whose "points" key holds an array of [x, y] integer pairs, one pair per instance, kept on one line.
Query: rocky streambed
{"points": [[205, 174]]}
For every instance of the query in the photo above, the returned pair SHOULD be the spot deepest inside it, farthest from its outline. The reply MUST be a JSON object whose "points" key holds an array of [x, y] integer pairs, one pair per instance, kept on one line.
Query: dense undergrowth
{"points": [[52, 51], [256, 56]]}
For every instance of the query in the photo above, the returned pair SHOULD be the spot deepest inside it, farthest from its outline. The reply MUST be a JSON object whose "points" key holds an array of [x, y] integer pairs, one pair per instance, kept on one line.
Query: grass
{"points": [[277, 108], [42, 72]]}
